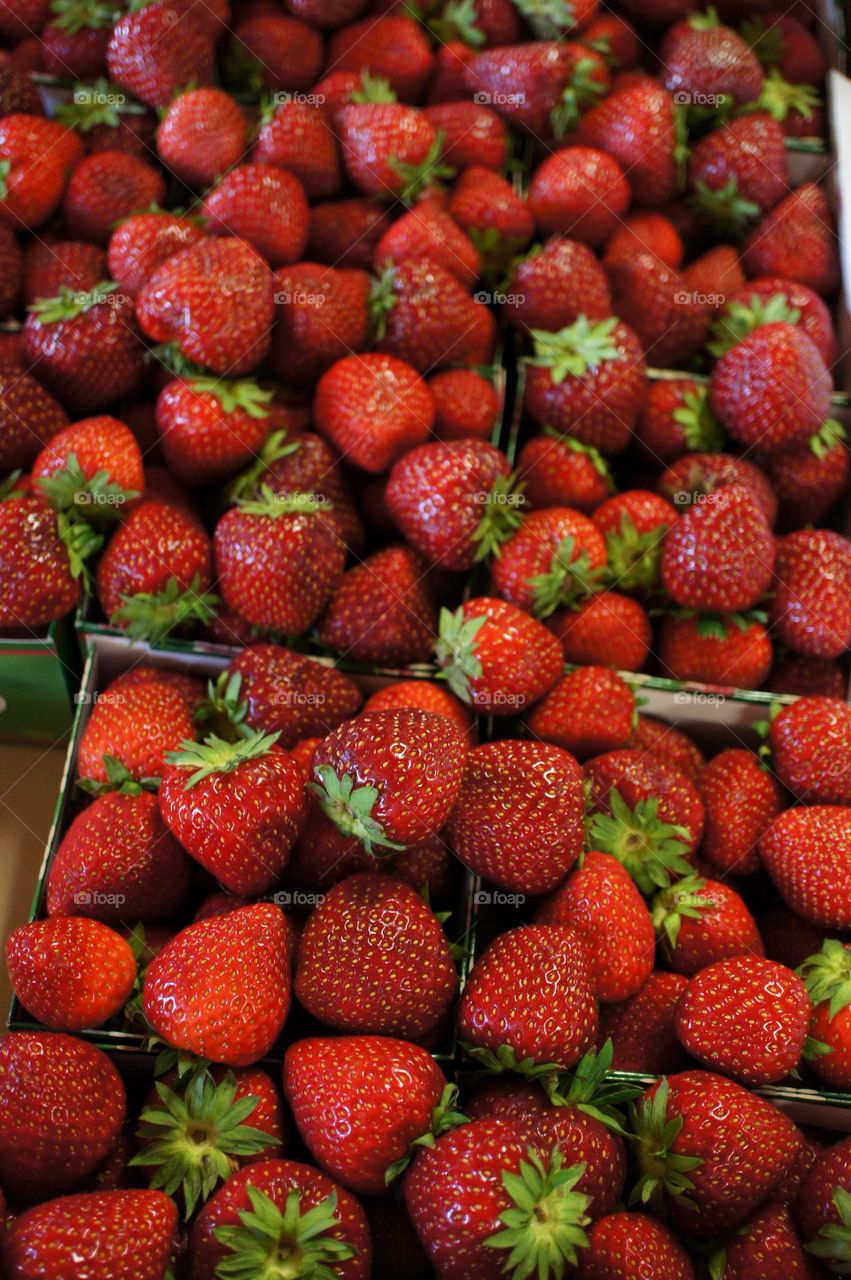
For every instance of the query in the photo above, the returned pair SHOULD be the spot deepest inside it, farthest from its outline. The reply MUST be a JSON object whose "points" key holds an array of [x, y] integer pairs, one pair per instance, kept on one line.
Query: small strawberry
{"points": [[425, 694], [720, 649], [621, 1242], [719, 554], [636, 124], [657, 303], [823, 1207], [39, 571], [263, 205], [272, 51], [427, 317], [37, 156], [427, 231], [701, 922], [811, 608], [73, 263], [106, 187], [766, 1244], [810, 744], [827, 975], [557, 471], [669, 744], [466, 403], [590, 711], [202, 134], [579, 192], [556, 284], [94, 463], [807, 851], [382, 611], [796, 240], [494, 216], [634, 523], [695, 476], [70, 973], [739, 172], [211, 427], [373, 408], [473, 135], [715, 275], [524, 82], [389, 150], [136, 719], [76, 38], [373, 959], [703, 59], [324, 313], [556, 557], [740, 799], [642, 1028], [157, 52], [676, 419], [393, 47], [143, 242], [188, 991], [810, 479], [607, 629], [344, 233], [645, 231]]}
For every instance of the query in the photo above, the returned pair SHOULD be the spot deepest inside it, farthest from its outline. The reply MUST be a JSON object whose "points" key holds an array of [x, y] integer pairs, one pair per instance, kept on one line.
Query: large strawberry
{"points": [[797, 241], [579, 192], [518, 817], [201, 135], [556, 557], [382, 610], [70, 973], [37, 156], [92, 467], [827, 975], [767, 301], [810, 609], [555, 284], [622, 1242], [324, 313], [810, 743], [700, 922], [590, 711], [704, 61], [156, 52], [373, 408], [39, 571], [636, 124], [739, 171], [137, 719], [719, 554], [558, 471], [389, 150], [427, 318], [62, 1109], [106, 187], [296, 138], [187, 996], [807, 853], [373, 959], [740, 799]]}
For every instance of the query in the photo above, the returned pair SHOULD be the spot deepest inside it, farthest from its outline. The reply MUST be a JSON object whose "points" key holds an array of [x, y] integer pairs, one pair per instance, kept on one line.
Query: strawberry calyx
{"points": [[96, 104], [274, 505], [74, 16], [133, 1010], [596, 458], [681, 900], [725, 209], [833, 1242], [582, 91], [169, 355], [373, 89], [574, 350], [223, 709], [663, 1171], [702, 431], [590, 1088], [154, 615], [350, 808], [444, 1117], [780, 98], [92, 498], [235, 394], [428, 172], [196, 1138], [549, 19], [68, 304], [738, 319], [762, 729], [458, 22], [569, 579], [505, 1059], [81, 543], [455, 651], [827, 437], [382, 300], [706, 21], [827, 976], [118, 778], [502, 515], [275, 447], [544, 1228], [275, 1244], [767, 42], [9, 486], [651, 850], [214, 755], [634, 558]]}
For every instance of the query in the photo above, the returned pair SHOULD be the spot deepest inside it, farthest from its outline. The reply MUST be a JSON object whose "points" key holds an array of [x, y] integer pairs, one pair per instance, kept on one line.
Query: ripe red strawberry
{"points": [[272, 51], [263, 205], [739, 172], [85, 347], [286, 693], [588, 381], [719, 554], [136, 719], [393, 47], [215, 300], [427, 317], [670, 318], [705, 59], [518, 817], [94, 463], [322, 312], [75, 40], [373, 959], [642, 1028], [737, 1146], [427, 231], [669, 744], [495, 217], [372, 790], [608, 629], [796, 240], [105, 187], [373, 408], [645, 231], [382, 611], [579, 192], [827, 974], [553, 286], [523, 82], [720, 649], [496, 657], [452, 501], [771, 299], [235, 807], [38, 156], [822, 1205], [188, 991], [473, 135], [600, 902], [810, 743], [323, 856], [39, 579], [634, 523], [70, 262], [389, 1089], [428, 695], [636, 125], [389, 150], [590, 711], [740, 799], [794, 673], [466, 405], [695, 476], [202, 134], [62, 1108], [675, 420], [118, 861], [344, 233], [700, 922], [807, 853], [715, 275], [211, 427], [158, 52], [105, 122], [70, 973], [767, 1244], [297, 138], [809, 480], [334, 1235], [142, 243], [29, 418], [529, 996], [109, 1227], [559, 472], [811, 609], [621, 1242], [747, 1017]]}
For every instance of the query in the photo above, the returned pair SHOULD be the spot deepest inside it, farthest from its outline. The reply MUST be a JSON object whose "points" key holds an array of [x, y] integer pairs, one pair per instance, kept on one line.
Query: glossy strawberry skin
{"points": [[717, 61], [520, 660], [106, 187], [655, 301], [589, 712], [156, 54], [620, 1242], [740, 799], [807, 853], [609, 629], [201, 135], [637, 776], [433, 322], [292, 695], [720, 554], [157, 542], [695, 476], [532, 551], [636, 125], [373, 408], [142, 243], [98, 444], [382, 610], [796, 240], [322, 311], [557, 475], [741, 658], [810, 742], [36, 582], [393, 47], [750, 151], [298, 140], [70, 973], [669, 744], [768, 1244], [723, 928], [811, 608], [642, 1028], [373, 134], [139, 717]]}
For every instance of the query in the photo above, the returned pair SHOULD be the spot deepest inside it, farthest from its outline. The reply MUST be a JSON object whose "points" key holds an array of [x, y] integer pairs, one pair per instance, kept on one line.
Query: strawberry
{"points": [[807, 852], [137, 719], [636, 124], [389, 150], [634, 523], [810, 743], [277, 52], [704, 61], [70, 973], [810, 609], [767, 1243], [556, 285], [215, 300], [715, 275], [642, 1028], [391, 1089], [323, 315], [796, 240], [448, 83], [519, 796], [487, 22], [63, 1108], [466, 404], [793, 673], [621, 1242], [29, 418], [211, 427], [523, 82], [827, 974], [719, 554], [265, 206], [452, 501], [143, 242], [644, 811], [740, 799], [608, 629], [39, 576], [425, 694], [746, 1017], [393, 47], [188, 990], [676, 419], [70, 262], [76, 38], [109, 1227], [694, 476], [118, 861], [373, 408], [822, 1207], [202, 134], [529, 999], [588, 381], [579, 192], [286, 693], [344, 233], [473, 135], [701, 922], [427, 318], [655, 301], [106, 187], [382, 611], [427, 231], [782, 41], [323, 856], [600, 902], [373, 959], [371, 790], [720, 649], [156, 53], [108, 121], [709, 1150], [296, 138], [95, 461], [738, 173], [670, 745], [809, 480], [645, 231], [590, 711], [85, 347], [37, 157], [557, 471], [768, 300], [244, 808], [496, 657], [20, 18], [302, 1212], [495, 217], [11, 260]]}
